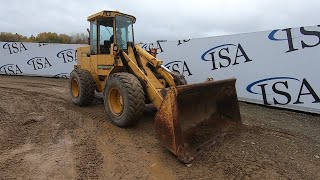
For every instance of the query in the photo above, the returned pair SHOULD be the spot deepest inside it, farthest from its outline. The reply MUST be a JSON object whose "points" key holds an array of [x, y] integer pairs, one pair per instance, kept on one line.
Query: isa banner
{"points": [[276, 68], [37, 59]]}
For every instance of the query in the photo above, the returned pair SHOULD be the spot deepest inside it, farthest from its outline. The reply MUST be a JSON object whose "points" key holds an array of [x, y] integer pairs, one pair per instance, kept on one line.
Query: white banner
{"points": [[276, 68], [37, 59]]}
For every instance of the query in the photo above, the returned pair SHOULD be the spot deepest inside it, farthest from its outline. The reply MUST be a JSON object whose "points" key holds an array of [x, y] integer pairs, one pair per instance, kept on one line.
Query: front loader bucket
{"points": [[192, 117]]}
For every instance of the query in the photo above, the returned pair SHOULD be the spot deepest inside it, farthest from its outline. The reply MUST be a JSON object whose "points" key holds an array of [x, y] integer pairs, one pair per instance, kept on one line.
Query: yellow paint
{"points": [[102, 65], [108, 14], [74, 88], [115, 101]]}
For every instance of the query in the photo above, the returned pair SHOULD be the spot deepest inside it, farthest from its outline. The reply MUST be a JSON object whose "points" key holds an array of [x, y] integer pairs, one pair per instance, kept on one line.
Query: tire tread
{"points": [[136, 98], [87, 87]]}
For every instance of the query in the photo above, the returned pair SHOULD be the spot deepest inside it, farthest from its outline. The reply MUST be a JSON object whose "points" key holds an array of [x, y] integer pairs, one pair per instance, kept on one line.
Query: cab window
{"points": [[106, 36], [124, 32], [93, 37]]}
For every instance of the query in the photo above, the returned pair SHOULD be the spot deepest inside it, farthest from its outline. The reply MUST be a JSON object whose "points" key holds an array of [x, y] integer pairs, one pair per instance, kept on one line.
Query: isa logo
{"points": [[67, 55], [287, 36], [149, 46], [226, 55], [283, 91], [14, 47], [39, 63], [179, 66], [11, 69]]}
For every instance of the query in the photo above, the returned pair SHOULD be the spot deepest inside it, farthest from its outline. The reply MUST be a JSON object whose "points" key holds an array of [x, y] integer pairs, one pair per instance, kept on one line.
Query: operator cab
{"points": [[110, 27]]}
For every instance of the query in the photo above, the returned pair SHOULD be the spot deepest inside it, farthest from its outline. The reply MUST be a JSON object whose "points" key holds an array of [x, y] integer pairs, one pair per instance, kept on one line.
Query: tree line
{"points": [[46, 37]]}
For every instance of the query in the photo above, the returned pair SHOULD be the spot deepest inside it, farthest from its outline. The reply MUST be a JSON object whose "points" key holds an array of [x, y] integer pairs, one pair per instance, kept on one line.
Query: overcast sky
{"points": [[161, 19]]}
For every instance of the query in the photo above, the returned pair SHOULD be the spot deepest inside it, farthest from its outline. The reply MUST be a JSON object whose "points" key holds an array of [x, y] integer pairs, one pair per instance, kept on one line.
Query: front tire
{"points": [[124, 99], [81, 87]]}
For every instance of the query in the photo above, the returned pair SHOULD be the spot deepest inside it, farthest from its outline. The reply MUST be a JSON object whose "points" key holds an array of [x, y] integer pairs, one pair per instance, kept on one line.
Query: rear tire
{"points": [[81, 87], [124, 99]]}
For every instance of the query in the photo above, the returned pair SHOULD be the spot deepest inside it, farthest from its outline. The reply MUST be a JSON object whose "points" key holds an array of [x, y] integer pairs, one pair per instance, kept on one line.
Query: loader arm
{"points": [[153, 91], [157, 64]]}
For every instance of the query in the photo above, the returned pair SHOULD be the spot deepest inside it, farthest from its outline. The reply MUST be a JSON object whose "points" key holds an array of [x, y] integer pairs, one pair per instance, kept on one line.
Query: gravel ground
{"points": [[44, 136]]}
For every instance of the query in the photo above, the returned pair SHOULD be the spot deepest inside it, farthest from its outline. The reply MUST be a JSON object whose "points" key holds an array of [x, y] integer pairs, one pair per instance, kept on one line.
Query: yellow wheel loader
{"points": [[188, 118]]}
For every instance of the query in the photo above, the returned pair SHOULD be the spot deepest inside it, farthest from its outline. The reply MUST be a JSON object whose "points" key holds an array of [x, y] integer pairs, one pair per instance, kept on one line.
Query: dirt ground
{"points": [[44, 136]]}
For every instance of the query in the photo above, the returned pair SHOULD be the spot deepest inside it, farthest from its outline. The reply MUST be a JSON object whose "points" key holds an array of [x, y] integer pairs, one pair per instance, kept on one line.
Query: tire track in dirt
{"points": [[83, 147], [20, 133], [88, 158], [120, 149]]}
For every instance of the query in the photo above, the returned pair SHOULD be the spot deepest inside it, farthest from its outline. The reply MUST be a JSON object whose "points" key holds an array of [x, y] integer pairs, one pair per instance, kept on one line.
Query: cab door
{"points": [[105, 58]]}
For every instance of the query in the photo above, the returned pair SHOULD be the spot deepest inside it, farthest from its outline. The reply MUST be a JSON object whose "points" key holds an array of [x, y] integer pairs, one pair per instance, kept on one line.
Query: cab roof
{"points": [[108, 14]]}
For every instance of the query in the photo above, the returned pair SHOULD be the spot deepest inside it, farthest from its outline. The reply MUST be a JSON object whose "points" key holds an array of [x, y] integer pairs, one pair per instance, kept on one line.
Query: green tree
{"points": [[48, 37], [10, 37], [45, 37], [63, 38], [32, 39], [79, 38]]}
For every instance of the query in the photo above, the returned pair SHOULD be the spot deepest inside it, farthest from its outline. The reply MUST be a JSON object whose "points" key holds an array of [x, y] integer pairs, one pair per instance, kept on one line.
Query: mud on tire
{"points": [[85, 86], [132, 95]]}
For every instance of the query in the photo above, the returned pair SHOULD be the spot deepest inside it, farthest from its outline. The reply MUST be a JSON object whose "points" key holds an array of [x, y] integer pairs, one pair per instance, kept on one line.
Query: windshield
{"points": [[124, 31]]}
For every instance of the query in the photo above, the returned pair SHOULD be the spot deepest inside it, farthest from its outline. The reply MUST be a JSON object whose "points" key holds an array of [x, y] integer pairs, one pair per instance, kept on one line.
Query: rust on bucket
{"points": [[193, 117]]}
